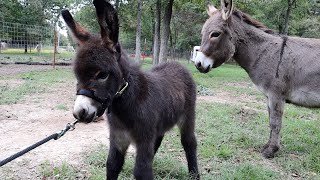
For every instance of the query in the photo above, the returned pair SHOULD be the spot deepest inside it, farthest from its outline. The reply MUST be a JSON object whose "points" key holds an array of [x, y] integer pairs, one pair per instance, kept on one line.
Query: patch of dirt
{"points": [[227, 98], [11, 83], [12, 69], [245, 113], [37, 117], [222, 98], [242, 84]]}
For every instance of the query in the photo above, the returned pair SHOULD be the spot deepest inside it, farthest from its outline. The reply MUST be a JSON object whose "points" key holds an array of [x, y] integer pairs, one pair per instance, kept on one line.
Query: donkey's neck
{"points": [[252, 44], [137, 85]]}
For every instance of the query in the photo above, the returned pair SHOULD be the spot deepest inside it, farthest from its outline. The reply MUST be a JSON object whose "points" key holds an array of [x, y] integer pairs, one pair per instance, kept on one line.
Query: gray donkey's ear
{"points": [[211, 10], [108, 21], [80, 34], [226, 9]]}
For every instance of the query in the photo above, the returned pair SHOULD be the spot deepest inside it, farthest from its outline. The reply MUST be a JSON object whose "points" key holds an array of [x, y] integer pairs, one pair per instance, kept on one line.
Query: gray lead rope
{"points": [[55, 136]]}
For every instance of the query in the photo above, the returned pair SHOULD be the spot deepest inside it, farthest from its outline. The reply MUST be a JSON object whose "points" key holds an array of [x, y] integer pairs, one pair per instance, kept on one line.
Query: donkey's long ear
{"points": [[80, 34], [211, 10], [108, 21], [226, 9]]}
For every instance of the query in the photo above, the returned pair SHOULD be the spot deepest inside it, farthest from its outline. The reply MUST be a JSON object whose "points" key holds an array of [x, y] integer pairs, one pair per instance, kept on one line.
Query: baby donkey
{"points": [[141, 106]]}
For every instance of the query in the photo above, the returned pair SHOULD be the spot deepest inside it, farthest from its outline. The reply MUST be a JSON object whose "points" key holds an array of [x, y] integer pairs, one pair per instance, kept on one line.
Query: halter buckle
{"points": [[119, 93]]}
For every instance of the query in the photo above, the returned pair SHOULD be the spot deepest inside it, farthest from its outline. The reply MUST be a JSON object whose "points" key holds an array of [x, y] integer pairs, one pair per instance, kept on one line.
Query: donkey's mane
{"points": [[249, 20]]}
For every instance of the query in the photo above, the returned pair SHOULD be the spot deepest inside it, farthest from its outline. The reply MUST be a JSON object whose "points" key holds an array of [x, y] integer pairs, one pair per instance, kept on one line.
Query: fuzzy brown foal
{"points": [[141, 106]]}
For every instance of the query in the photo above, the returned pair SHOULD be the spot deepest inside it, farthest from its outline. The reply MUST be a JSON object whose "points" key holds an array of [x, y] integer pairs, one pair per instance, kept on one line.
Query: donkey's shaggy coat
{"points": [[142, 106], [284, 68]]}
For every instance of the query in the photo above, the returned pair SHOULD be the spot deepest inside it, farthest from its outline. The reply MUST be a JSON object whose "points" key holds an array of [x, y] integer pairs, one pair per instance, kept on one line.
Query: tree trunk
{"points": [[165, 32], [117, 5], [286, 21], [156, 41], [138, 34], [25, 48]]}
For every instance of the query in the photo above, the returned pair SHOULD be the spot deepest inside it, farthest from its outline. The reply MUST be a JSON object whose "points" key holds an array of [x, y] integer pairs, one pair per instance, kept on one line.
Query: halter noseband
{"points": [[104, 102]]}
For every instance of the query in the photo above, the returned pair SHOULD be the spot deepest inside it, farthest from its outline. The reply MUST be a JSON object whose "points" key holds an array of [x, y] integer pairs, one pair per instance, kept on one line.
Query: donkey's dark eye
{"points": [[215, 34], [102, 76]]}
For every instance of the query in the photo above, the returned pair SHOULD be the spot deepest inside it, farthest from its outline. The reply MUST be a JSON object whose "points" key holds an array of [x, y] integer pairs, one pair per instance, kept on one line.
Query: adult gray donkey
{"points": [[284, 68]]}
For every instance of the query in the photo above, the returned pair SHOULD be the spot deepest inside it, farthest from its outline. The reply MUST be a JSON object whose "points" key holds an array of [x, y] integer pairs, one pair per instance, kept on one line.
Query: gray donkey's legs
{"points": [[275, 109]]}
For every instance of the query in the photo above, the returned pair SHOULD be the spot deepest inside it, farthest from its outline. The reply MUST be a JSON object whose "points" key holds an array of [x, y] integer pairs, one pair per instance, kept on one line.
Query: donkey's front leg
{"points": [[118, 147], [143, 166], [275, 109]]}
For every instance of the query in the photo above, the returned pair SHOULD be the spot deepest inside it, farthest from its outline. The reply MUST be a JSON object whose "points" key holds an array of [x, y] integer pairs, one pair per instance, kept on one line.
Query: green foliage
{"points": [[187, 34], [272, 14], [86, 16], [32, 12]]}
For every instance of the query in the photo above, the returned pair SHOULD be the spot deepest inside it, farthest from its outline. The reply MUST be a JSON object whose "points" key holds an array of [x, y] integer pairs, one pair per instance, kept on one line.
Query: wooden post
{"points": [[54, 48]]}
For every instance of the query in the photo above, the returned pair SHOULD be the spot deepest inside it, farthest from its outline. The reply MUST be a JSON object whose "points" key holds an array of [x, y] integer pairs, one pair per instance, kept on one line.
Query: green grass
{"points": [[33, 56], [62, 172], [229, 136], [61, 107], [32, 83]]}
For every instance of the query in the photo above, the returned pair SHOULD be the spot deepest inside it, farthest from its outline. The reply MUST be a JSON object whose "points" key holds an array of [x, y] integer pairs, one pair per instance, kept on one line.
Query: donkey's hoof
{"points": [[268, 151]]}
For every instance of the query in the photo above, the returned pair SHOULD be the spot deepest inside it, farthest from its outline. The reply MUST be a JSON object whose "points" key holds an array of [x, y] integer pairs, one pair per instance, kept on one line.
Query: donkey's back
{"points": [[301, 71]]}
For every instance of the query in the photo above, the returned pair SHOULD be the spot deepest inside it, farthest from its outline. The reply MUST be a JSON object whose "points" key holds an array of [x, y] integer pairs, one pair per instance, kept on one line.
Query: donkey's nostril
{"points": [[198, 64], [75, 116], [82, 113]]}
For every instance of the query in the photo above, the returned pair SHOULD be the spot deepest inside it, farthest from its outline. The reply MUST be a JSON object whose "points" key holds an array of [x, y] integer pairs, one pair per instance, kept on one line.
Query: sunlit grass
{"points": [[15, 55], [32, 83]]}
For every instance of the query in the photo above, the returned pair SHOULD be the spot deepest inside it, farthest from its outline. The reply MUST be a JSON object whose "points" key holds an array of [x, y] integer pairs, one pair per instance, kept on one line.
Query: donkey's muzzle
{"points": [[84, 116], [202, 69], [88, 107], [203, 63]]}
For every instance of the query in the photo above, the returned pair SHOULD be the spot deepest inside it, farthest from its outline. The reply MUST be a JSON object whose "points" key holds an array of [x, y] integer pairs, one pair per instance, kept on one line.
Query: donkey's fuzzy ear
{"points": [[211, 9], [80, 34], [108, 21], [226, 9]]}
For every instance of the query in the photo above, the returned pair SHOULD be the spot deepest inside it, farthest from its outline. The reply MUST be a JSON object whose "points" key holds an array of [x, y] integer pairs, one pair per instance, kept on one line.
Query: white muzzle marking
{"points": [[204, 61], [84, 103]]}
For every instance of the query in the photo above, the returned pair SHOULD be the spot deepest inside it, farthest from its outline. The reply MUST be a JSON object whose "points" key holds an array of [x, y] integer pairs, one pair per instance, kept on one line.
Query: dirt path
{"points": [[37, 117], [12, 69]]}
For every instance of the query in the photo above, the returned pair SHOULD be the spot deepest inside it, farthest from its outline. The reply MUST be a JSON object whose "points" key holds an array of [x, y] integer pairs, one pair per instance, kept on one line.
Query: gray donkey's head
{"points": [[217, 45]]}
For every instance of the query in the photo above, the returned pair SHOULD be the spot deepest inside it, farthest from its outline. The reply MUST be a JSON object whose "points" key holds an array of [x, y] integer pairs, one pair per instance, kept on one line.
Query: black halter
{"points": [[104, 102]]}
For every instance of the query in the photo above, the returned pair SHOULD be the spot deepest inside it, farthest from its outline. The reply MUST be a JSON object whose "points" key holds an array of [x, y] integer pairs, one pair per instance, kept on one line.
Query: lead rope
{"points": [[55, 136]]}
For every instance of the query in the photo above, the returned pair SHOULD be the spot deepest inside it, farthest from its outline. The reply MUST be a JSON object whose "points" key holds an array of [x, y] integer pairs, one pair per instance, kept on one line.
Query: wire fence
{"points": [[174, 54], [31, 44]]}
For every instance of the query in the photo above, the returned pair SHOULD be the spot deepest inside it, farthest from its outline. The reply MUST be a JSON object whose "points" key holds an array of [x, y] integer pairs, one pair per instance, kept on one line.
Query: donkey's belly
{"points": [[305, 97]]}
